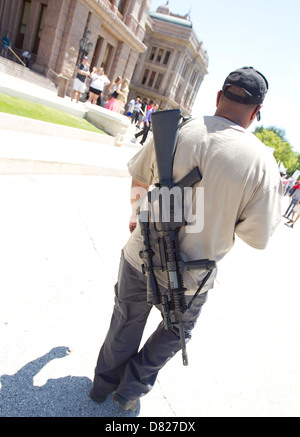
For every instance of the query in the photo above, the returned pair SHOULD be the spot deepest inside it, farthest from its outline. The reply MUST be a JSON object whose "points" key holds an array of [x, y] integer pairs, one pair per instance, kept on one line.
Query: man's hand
{"points": [[132, 223], [138, 190]]}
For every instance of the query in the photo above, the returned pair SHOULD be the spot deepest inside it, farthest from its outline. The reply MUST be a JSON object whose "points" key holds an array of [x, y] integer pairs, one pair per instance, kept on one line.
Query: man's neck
{"points": [[232, 116]]}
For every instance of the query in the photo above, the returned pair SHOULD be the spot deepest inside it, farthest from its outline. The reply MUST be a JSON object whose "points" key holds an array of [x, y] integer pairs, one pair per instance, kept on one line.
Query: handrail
{"points": [[16, 56], [58, 75]]}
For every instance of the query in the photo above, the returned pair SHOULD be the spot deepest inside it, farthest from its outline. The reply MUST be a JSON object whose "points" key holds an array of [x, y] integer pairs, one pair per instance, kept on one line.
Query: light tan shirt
{"points": [[241, 186]]}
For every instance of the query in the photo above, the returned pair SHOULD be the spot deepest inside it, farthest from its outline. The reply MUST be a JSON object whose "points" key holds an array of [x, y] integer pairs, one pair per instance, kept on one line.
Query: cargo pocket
{"points": [[116, 289]]}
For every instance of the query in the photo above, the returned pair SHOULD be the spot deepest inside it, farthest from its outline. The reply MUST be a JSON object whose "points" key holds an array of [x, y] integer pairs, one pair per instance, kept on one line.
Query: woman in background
{"points": [[114, 90], [99, 80], [123, 96]]}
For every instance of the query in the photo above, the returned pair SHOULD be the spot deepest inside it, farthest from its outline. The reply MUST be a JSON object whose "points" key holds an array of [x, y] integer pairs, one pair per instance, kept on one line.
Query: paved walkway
{"points": [[61, 237]]}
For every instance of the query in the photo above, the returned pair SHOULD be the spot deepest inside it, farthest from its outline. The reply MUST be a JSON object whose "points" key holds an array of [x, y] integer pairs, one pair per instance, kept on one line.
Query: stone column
{"points": [[54, 27], [10, 17], [140, 67], [131, 63], [167, 74], [2, 5], [5, 17], [128, 11], [187, 81], [15, 13], [32, 25], [139, 29], [102, 49], [114, 6], [121, 57], [173, 82]]}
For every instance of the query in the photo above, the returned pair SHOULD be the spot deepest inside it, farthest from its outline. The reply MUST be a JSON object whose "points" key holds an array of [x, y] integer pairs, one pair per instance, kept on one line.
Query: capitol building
{"points": [[158, 51]]}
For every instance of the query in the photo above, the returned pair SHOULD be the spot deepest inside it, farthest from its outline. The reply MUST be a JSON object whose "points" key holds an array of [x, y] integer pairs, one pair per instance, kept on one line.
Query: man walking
{"points": [[243, 192], [295, 198], [147, 124]]}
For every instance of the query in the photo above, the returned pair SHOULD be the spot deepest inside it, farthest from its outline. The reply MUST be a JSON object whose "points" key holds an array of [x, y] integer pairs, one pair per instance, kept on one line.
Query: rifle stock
{"points": [[165, 131]]}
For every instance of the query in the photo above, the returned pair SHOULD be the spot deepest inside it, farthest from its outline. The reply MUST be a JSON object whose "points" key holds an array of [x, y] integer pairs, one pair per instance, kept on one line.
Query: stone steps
{"points": [[15, 69]]}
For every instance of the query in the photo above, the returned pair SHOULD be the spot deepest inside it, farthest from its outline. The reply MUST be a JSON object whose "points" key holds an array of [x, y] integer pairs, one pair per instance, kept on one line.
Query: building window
{"points": [[158, 81], [152, 54], [185, 69], [121, 6], [193, 77], [167, 57], [152, 77], [186, 98], [145, 77], [178, 92], [159, 55]]}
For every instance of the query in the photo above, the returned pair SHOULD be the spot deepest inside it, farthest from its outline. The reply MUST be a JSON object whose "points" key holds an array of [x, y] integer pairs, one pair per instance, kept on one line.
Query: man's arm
{"points": [[85, 73], [138, 190], [148, 117]]}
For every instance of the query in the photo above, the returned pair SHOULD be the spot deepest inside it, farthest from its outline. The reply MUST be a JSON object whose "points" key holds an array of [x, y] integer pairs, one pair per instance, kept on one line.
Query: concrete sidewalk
{"points": [[61, 238], [22, 152]]}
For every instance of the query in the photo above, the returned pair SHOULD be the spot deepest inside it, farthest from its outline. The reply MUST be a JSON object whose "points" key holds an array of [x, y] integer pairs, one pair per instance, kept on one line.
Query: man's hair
{"points": [[237, 91]]}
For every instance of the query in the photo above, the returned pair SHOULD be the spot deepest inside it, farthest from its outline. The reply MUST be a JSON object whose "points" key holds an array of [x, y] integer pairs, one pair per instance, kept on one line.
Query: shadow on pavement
{"points": [[62, 397]]}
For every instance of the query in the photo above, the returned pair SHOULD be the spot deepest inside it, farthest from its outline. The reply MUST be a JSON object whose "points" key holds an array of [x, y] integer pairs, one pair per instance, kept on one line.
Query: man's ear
{"points": [[218, 98], [255, 112]]}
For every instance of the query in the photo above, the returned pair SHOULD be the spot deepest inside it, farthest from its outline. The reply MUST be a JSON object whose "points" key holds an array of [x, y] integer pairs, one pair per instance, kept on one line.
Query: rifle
{"points": [[165, 126]]}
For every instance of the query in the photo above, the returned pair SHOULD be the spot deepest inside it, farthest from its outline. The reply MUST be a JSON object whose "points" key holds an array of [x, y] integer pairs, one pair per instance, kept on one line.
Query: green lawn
{"points": [[25, 108]]}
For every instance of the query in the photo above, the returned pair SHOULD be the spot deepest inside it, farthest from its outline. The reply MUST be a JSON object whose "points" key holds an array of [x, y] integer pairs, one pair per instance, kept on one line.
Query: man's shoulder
{"points": [[192, 124]]}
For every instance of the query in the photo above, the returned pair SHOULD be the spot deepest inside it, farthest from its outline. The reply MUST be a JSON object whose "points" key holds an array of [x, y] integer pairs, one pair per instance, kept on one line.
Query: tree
{"points": [[283, 152]]}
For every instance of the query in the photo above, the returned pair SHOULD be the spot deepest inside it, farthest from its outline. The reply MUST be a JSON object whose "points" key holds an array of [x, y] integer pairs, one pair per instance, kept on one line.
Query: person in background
{"points": [[98, 82], [26, 56], [288, 185], [294, 199], [293, 220], [153, 107], [5, 46], [130, 107], [143, 113], [136, 111], [79, 82], [114, 93], [122, 97]]}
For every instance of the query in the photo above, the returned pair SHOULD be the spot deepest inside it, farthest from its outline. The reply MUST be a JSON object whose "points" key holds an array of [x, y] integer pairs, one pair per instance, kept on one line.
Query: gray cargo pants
{"points": [[121, 366]]}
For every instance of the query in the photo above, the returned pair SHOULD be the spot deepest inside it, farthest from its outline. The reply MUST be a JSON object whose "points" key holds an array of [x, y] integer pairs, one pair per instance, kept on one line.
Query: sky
{"points": [[264, 34]]}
